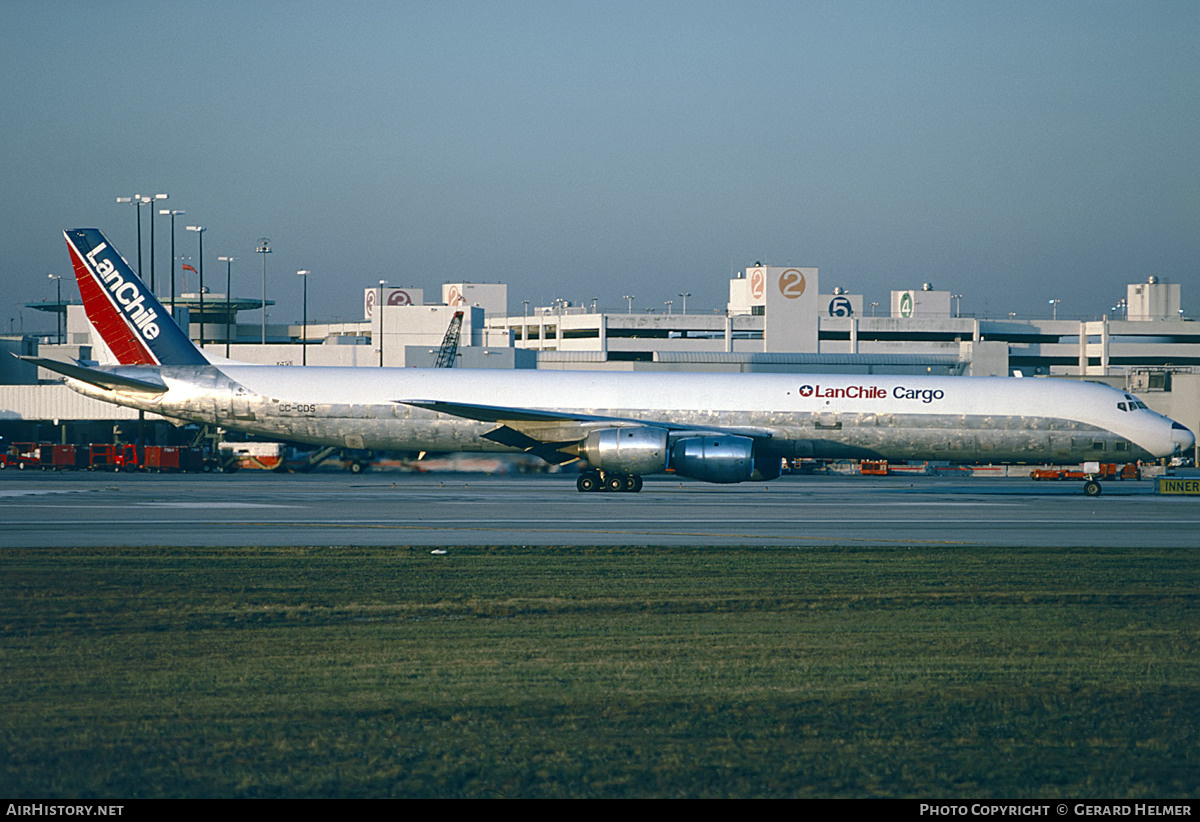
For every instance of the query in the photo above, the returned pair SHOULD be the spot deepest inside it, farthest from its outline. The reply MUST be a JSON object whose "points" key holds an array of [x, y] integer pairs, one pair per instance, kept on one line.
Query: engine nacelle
{"points": [[722, 458], [633, 450]]}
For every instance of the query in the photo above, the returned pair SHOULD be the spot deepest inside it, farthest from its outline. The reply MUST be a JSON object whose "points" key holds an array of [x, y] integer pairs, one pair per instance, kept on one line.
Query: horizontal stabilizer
{"points": [[102, 379]]}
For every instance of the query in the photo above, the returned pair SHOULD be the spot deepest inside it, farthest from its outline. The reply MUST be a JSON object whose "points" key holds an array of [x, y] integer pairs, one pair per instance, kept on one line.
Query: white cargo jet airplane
{"points": [[711, 427]]}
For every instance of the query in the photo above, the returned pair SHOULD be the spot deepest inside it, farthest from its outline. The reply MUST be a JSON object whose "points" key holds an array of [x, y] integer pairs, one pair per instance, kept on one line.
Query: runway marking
{"points": [[213, 505], [615, 532], [453, 523], [31, 492], [442, 523]]}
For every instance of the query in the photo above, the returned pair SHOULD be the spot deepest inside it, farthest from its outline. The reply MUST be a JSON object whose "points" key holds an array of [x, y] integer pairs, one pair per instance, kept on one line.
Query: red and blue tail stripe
{"points": [[126, 314]]}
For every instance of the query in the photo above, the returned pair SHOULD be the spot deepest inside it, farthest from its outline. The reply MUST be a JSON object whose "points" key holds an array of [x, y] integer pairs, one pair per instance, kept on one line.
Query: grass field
{"points": [[534, 672]]}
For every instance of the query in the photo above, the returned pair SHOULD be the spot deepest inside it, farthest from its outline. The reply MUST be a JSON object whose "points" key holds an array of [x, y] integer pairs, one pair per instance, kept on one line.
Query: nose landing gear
{"points": [[605, 481]]}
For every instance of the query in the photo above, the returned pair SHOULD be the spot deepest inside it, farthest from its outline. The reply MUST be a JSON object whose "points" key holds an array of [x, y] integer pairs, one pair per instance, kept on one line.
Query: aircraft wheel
{"points": [[588, 482], [633, 483], [356, 468], [614, 483], [1091, 488]]}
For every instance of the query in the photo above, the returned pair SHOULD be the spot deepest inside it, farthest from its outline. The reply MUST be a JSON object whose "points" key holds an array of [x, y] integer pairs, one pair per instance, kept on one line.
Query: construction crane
{"points": [[449, 350]]}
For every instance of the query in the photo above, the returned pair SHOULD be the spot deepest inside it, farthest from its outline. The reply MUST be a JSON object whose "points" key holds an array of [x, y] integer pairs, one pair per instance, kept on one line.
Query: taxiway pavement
{"points": [[46, 509]]}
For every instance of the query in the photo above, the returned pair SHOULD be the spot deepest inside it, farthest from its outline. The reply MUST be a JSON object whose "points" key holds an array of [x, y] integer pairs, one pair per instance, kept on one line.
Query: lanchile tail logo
{"points": [[130, 319]]}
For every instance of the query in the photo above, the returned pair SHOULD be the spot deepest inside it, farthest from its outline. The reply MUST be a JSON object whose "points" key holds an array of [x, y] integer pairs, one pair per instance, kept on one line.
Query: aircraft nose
{"points": [[1183, 439]]}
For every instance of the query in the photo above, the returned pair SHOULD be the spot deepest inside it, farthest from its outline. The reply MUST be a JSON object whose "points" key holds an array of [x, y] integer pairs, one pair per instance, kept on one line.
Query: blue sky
{"points": [[1011, 152]]}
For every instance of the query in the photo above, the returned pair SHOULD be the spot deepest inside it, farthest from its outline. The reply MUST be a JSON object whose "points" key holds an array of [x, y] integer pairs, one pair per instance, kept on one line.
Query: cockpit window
{"points": [[1121, 405]]}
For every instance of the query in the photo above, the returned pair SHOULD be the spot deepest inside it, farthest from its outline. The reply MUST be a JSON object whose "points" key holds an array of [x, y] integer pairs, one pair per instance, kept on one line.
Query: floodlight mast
{"points": [[150, 201], [58, 307], [229, 261], [264, 248], [199, 229], [304, 324], [166, 212]]}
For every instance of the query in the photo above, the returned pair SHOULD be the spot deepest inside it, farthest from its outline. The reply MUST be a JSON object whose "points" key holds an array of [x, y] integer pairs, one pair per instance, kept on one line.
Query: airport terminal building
{"points": [[776, 319]]}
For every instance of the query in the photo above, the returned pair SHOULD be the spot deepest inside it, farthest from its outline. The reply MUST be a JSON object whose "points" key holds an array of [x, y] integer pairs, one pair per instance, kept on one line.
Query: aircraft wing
{"points": [[497, 413], [554, 435], [93, 376]]}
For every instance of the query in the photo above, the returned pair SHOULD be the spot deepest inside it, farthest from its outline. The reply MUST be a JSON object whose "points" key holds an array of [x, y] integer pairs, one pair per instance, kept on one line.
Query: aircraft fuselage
{"points": [[959, 419]]}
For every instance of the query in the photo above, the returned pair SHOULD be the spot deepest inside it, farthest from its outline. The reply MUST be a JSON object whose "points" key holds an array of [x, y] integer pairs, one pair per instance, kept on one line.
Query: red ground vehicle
{"points": [[173, 458], [1107, 471], [101, 456], [104, 457], [60, 457], [107, 457], [25, 454]]}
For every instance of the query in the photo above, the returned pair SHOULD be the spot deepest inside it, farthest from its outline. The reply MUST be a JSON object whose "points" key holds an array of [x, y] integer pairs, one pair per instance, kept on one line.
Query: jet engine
{"points": [[637, 450], [633, 450], [720, 458]]}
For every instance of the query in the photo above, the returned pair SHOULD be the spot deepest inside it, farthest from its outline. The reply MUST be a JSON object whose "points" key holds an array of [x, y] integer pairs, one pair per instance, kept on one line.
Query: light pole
{"points": [[668, 304], [379, 308], [150, 201], [685, 295], [957, 304], [1054, 307], [631, 298], [166, 212], [137, 200], [57, 306], [229, 261], [304, 327], [199, 229], [264, 248]]}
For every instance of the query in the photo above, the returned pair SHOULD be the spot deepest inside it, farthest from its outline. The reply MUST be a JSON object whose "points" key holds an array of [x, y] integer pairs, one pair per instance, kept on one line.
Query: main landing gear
{"points": [[604, 481], [1091, 488]]}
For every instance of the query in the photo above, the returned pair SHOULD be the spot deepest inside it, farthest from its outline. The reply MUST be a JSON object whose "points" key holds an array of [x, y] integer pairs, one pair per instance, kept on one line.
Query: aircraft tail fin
{"points": [[125, 313]]}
